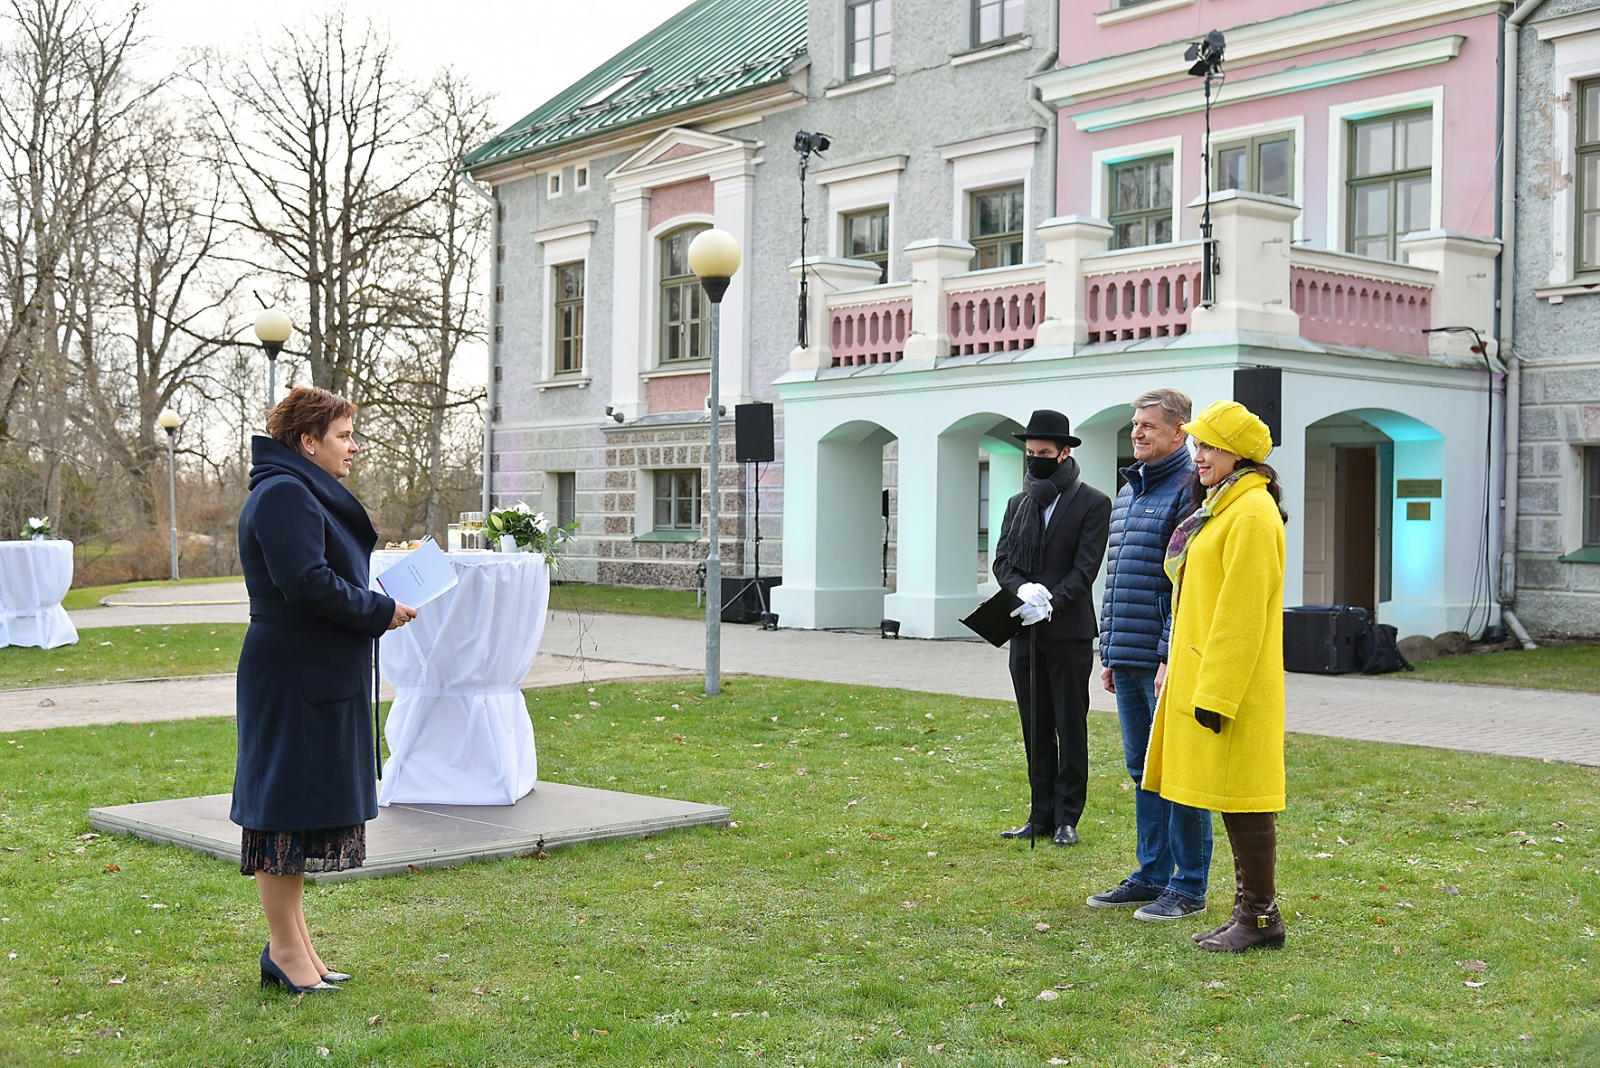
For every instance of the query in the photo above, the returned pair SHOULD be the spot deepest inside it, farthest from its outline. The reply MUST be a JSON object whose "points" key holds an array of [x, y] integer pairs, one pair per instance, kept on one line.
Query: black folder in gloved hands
{"points": [[992, 620]]}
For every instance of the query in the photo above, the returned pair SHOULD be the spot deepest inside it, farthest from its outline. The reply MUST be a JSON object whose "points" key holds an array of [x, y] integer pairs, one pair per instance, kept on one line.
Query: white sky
{"points": [[524, 52]]}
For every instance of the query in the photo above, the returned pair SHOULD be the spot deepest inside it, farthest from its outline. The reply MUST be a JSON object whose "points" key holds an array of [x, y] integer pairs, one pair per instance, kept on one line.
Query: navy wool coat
{"points": [[1136, 610], [305, 673]]}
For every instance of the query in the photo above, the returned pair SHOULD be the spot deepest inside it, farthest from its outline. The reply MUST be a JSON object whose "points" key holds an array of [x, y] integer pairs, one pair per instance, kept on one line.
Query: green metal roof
{"points": [[709, 50]]}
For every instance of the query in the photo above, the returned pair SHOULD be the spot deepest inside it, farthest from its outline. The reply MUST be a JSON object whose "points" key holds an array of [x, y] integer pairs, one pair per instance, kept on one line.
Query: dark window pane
{"points": [[1591, 113], [1130, 234], [1128, 192], [1591, 240], [1275, 168], [1161, 183], [1233, 167], [1162, 230]]}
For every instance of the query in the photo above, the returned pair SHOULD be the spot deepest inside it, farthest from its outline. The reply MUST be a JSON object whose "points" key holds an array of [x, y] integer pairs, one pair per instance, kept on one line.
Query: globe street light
{"points": [[272, 330], [169, 421], [714, 257]]}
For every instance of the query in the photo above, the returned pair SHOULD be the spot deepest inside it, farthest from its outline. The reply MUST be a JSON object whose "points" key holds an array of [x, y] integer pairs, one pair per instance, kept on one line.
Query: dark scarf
{"points": [[1027, 526]]}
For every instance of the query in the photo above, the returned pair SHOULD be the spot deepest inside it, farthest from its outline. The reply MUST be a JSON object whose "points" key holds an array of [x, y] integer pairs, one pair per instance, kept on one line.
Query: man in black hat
{"points": [[1051, 545]]}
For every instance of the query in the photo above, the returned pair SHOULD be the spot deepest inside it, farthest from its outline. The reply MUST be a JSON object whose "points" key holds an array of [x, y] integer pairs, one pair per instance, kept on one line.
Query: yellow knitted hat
{"points": [[1229, 425]]}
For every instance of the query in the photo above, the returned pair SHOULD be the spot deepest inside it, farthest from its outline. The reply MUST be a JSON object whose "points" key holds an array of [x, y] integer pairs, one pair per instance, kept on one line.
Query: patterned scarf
{"points": [[1178, 547]]}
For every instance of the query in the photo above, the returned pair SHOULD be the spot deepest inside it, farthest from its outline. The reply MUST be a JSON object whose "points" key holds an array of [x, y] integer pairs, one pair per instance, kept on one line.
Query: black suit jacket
{"points": [[1074, 548]]}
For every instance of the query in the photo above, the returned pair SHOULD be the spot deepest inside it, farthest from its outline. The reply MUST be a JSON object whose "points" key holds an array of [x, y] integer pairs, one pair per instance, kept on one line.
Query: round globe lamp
{"points": [[714, 257]]}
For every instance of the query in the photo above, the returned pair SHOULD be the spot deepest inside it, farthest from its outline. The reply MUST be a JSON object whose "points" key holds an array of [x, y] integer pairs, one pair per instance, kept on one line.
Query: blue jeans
{"points": [[1174, 849]]}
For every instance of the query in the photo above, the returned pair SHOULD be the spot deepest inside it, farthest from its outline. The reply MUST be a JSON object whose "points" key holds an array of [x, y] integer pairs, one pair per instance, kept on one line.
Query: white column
{"points": [[732, 213], [1464, 294], [1067, 240], [825, 275], [628, 306], [937, 549], [932, 261], [1253, 233], [1005, 482]]}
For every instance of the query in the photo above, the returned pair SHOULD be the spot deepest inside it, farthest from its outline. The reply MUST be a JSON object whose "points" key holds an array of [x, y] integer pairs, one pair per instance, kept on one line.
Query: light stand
{"points": [[805, 144], [714, 257], [169, 421], [1206, 58]]}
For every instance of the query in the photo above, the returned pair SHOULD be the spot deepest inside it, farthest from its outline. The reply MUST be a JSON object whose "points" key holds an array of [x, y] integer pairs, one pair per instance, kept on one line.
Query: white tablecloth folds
{"points": [[459, 732], [34, 577]]}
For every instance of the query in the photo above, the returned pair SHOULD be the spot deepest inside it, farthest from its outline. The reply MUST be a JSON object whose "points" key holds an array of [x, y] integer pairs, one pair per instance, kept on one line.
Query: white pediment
{"points": [[680, 154]]}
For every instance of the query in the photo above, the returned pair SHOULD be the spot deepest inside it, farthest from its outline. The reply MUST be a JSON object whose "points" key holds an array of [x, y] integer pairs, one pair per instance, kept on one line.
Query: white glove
{"points": [[1035, 594], [1031, 613]]}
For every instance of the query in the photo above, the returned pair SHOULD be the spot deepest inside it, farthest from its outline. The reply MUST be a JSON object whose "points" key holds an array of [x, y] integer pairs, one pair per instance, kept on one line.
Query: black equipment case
{"points": [[1322, 639]]}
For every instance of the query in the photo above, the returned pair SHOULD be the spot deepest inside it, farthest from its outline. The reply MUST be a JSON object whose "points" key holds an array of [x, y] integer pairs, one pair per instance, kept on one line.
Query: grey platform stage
{"points": [[431, 836]]}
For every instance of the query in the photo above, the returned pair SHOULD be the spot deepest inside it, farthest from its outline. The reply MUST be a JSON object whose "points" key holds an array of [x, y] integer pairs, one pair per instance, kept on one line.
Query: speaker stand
{"points": [[768, 620]]}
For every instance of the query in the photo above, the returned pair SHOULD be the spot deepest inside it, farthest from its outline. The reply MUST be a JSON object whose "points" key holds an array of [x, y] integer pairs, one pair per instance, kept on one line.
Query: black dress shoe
{"points": [[1027, 830], [1066, 835]]}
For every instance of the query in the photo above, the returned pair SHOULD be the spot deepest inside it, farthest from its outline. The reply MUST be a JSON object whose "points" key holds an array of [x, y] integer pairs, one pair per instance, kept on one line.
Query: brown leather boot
{"points": [[1256, 921], [1238, 892]]}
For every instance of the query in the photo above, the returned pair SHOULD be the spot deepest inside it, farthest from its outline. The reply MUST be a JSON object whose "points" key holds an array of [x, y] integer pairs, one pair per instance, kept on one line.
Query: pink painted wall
{"points": [[677, 393], [682, 198], [1470, 112]]}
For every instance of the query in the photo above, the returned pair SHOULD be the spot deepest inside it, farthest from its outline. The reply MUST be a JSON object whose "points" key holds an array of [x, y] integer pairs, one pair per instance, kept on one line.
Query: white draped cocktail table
{"points": [[459, 732], [34, 577]]}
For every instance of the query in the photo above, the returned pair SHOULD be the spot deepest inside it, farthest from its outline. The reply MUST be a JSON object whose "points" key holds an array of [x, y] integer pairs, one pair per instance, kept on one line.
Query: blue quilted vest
{"points": [[1135, 616]]}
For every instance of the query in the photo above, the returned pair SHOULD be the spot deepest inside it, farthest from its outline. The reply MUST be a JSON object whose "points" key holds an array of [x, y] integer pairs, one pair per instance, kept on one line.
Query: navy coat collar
{"points": [[271, 458]]}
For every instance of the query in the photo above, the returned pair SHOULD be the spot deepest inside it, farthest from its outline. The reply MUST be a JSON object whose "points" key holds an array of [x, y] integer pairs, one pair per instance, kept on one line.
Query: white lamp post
{"points": [[714, 257], [170, 421], [272, 330]]}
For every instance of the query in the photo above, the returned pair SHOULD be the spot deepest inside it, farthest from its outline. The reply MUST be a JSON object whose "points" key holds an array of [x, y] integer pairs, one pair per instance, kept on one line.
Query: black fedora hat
{"points": [[1046, 425]]}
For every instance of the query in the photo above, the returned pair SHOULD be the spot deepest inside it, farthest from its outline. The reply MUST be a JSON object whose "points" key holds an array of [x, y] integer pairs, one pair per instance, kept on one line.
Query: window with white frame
{"points": [[996, 226], [580, 178], [555, 184], [1260, 164], [866, 237], [1591, 496], [867, 26], [1390, 182], [569, 318], [677, 500], [1141, 201], [566, 498], [685, 313], [995, 20], [1586, 175]]}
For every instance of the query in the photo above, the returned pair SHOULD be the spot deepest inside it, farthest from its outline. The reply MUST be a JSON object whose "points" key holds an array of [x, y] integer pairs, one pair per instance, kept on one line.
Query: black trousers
{"points": [[1059, 777]]}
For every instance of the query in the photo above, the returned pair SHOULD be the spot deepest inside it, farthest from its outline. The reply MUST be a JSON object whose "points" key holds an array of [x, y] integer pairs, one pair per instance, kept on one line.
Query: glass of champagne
{"points": [[452, 538]]}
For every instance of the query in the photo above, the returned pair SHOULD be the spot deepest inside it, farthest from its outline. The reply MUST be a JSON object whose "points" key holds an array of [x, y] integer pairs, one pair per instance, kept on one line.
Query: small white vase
{"points": [[508, 544]]}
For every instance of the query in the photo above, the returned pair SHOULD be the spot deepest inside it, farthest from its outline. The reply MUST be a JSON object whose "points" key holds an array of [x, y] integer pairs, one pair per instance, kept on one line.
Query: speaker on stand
{"points": [[745, 596]]}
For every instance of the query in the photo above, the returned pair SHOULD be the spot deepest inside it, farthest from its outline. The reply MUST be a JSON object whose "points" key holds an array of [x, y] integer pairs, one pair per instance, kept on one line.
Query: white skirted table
{"points": [[34, 577], [459, 732]]}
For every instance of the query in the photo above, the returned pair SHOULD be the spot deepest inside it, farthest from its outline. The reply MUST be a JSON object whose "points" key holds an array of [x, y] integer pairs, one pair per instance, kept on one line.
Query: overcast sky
{"points": [[523, 52]]}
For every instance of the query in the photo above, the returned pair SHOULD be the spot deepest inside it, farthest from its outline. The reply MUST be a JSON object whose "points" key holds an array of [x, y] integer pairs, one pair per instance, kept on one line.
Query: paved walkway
{"points": [[1543, 724]]}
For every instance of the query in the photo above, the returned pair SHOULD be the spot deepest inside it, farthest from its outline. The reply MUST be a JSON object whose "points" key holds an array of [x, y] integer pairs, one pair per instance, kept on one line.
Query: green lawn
{"points": [[625, 600], [862, 911], [1574, 666], [106, 653], [89, 596]]}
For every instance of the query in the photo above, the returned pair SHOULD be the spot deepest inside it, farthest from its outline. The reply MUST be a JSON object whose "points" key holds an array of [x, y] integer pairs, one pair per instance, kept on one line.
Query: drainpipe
{"points": [[1052, 116], [491, 392], [1508, 355]]}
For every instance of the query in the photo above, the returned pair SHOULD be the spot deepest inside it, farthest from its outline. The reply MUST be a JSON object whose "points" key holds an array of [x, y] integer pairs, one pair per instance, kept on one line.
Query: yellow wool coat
{"points": [[1226, 655]]}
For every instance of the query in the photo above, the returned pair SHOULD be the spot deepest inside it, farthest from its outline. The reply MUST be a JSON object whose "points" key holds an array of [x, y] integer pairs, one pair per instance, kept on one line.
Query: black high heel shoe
{"points": [[272, 974], [335, 977]]}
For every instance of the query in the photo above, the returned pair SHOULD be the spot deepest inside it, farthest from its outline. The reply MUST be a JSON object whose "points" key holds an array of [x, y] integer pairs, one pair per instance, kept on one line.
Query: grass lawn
{"points": [[862, 911], [106, 653], [1574, 666], [625, 600], [89, 596]]}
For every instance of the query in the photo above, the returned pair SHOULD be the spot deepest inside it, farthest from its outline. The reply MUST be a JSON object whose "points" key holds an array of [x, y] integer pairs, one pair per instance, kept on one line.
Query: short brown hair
{"points": [[306, 410], [1177, 405]]}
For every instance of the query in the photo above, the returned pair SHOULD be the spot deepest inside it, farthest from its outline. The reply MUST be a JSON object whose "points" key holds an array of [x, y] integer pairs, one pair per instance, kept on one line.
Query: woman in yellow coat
{"points": [[1217, 740]]}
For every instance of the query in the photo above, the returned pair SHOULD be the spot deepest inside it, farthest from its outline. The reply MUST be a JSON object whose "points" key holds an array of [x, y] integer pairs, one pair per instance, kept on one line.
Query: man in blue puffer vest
{"points": [[1174, 846]]}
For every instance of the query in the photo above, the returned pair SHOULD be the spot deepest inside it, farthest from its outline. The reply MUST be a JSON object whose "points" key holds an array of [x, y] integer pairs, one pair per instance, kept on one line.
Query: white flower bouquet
{"points": [[532, 531], [38, 528]]}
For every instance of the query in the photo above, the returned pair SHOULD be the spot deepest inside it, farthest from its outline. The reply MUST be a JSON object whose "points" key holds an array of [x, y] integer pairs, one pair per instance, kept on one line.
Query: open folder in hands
{"points": [[421, 575]]}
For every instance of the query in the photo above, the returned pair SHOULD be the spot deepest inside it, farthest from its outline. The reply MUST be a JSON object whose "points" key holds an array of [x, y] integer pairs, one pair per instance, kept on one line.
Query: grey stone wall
{"points": [[1559, 344], [541, 430]]}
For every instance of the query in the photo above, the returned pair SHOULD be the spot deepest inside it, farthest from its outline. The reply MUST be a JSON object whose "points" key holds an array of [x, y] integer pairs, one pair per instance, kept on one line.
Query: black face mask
{"points": [[1043, 467]]}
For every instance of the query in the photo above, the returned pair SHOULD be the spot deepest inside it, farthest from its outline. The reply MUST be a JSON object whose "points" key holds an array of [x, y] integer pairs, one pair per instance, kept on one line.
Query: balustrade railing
{"points": [[869, 333], [995, 320], [1145, 302], [1337, 308]]}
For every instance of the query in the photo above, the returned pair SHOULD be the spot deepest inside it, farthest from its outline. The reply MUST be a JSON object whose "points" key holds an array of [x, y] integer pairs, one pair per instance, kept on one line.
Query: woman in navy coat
{"points": [[305, 783]]}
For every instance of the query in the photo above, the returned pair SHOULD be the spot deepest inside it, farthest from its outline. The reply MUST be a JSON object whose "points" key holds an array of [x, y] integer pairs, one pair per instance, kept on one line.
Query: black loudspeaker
{"points": [[1322, 639], [1261, 390], [752, 433]]}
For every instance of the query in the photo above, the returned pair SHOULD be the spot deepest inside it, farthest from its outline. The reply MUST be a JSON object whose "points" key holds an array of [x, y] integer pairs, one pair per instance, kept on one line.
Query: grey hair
{"points": [[1176, 404]]}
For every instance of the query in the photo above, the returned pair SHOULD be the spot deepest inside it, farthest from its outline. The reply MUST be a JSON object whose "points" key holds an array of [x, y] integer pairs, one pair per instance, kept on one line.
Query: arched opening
{"points": [[1374, 509], [856, 471]]}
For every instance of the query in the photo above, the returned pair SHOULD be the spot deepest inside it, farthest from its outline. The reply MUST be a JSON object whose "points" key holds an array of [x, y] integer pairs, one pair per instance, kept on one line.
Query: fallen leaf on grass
{"points": [[1297, 1017], [1475, 986], [87, 837], [799, 771], [763, 765], [372, 1021], [118, 981], [936, 1047], [478, 990], [323, 1051], [1475, 965], [47, 703], [999, 1002], [876, 837], [1215, 984], [1380, 921], [1046, 995], [1041, 927]]}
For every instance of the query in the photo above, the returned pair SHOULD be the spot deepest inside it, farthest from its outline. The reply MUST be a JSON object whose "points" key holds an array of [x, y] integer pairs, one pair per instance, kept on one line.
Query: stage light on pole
{"points": [[170, 421], [806, 143], [714, 257], [1205, 59], [273, 328]]}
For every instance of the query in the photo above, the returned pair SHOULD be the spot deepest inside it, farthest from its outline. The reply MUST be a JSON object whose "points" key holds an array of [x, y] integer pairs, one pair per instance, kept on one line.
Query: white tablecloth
{"points": [[459, 732], [34, 577]]}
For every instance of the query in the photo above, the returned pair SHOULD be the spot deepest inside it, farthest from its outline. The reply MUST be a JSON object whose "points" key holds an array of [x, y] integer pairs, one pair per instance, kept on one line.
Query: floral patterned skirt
{"points": [[298, 852]]}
